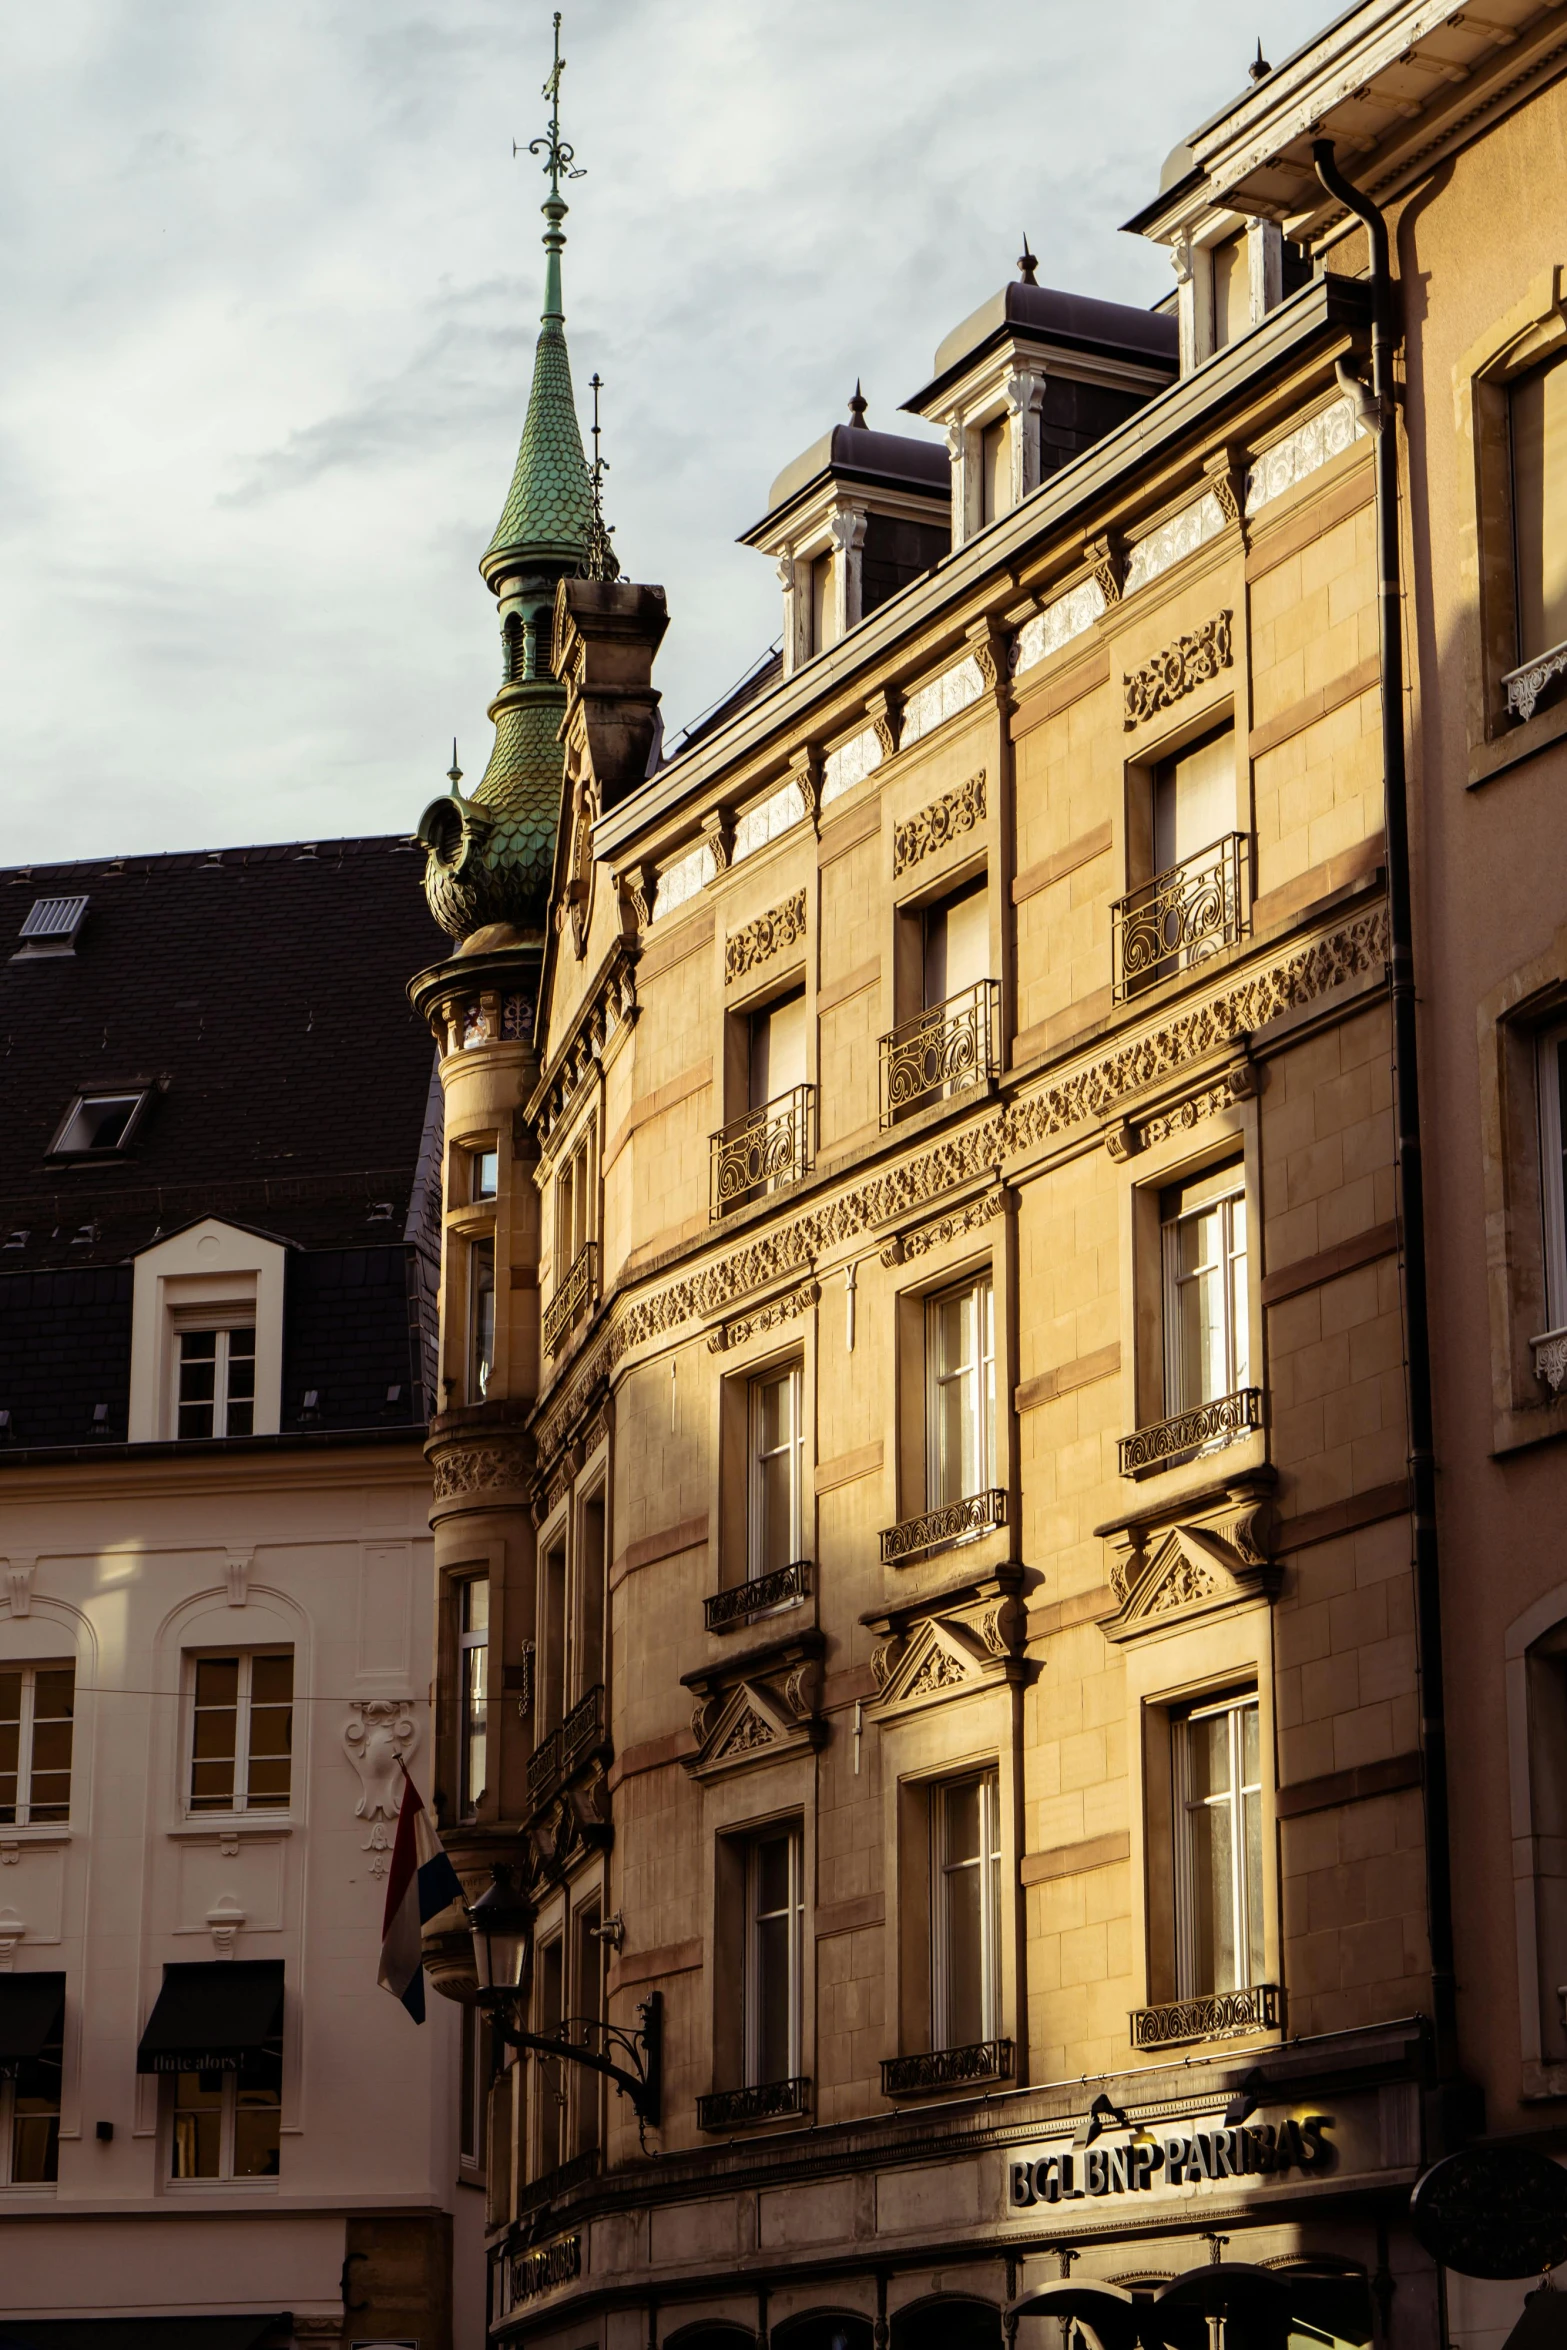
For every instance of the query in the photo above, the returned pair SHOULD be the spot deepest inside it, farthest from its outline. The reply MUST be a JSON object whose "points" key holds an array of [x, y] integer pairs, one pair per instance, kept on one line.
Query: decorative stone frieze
{"points": [[944, 821], [1192, 660], [479, 1468], [924, 1237], [1171, 542], [1236, 1084], [757, 942], [1067, 616], [1301, 453], [771, 1316]]}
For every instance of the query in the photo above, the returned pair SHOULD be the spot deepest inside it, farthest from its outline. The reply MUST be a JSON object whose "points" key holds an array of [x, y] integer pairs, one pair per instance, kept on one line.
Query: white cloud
{"points": [[271, 280]]}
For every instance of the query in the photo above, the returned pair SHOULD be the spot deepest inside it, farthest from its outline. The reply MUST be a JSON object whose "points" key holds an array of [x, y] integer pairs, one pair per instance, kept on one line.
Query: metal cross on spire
{"points": [[559, 160]]}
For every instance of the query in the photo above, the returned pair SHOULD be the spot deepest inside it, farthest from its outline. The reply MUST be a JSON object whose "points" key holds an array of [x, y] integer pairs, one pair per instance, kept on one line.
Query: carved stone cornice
{"points": [[757, 1707], [770, 1316], [1192, 660], [943, 821], [949, 1644], [758, 941], [608, 1005], [477, 1464], [585, 1393], [1129, 1135], [924, 1237], [1211, 1550]]}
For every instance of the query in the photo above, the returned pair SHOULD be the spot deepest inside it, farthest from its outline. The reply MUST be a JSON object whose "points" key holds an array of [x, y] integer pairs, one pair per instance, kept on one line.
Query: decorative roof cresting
{"points": [[490, 856]]}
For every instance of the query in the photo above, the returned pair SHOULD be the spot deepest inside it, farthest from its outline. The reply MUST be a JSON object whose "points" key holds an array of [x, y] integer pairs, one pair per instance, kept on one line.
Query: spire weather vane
{"points": [[559, 159]]}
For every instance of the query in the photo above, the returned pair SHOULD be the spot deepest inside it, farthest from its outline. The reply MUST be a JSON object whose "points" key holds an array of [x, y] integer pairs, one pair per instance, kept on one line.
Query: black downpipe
{"points": [[1378, 415]]}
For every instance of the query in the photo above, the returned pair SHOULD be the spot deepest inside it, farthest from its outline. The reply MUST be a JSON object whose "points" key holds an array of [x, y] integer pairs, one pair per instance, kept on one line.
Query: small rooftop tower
{"points": [[1030, 380], [849, 523]]}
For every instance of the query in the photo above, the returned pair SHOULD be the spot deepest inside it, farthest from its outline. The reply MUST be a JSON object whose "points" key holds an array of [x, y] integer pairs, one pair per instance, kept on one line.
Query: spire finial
{"points": [[1259, 68], [858, 406], [600, 561], [454, 772], [559, 161], [1027, 263]]}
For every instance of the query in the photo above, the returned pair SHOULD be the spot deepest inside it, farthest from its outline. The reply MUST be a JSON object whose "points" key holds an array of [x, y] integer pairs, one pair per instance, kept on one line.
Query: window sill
{"points": [[45, 1832], [242, 1823], [1515, 743], [204, 2190]]}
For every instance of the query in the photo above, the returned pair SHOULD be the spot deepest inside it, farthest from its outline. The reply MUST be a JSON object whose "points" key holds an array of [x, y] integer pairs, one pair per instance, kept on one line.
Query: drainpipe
{"points": [[1377, 414]]}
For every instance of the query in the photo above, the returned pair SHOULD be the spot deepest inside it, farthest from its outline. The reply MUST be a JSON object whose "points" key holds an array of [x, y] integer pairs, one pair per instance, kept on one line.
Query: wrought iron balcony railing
{"points": [[940, 1051], [1215, 2016], [1205, 1428], [565, 1749], [762, 1151], [946, 2068], [732, 2109], [572, 1299], [762, 1593], [558, 2181], [1181, 917], [955, 1521]]}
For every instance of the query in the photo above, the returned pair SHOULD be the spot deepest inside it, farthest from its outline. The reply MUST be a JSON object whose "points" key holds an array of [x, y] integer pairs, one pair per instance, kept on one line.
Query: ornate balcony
{"points": [[572, 1299], [552, 1762], [758, 1597], [941, 1051], [1531, 682], [946, 2068], [1206, 1428], [955, 1521], [770, 2101], [1181, 917], [1215, 2016], [762, 1151]]}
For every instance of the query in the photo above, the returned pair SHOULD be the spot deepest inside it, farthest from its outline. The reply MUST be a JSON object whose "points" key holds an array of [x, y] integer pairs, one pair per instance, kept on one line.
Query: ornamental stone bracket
{"points": [[959, 1642], [933, 828], [1135, 1130], [1210, 1551], [758, 1708], [1191, 661], [20, 1568], [378, 1738]]}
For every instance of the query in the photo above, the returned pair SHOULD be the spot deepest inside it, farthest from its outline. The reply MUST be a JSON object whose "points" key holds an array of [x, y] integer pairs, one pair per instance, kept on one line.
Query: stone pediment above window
{"points": [[758, 1708], [949, 1645], [1210, 1551]]}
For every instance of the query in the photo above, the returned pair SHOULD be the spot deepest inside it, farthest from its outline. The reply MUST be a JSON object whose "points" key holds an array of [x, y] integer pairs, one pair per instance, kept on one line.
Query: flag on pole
{"points": [[420, 1883]]}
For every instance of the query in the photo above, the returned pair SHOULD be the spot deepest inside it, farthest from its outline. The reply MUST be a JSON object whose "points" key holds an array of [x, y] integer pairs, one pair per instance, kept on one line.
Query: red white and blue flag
{"points": [[420, 1884]]}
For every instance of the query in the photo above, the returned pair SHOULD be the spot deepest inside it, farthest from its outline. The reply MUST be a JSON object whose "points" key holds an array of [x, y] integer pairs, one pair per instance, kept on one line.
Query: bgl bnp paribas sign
{"points": [[1149, 2162]]}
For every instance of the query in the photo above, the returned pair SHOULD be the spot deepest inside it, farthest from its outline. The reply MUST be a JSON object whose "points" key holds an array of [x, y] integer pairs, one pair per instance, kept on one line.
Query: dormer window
{"points": [[217, 1383], [98, 1122]]}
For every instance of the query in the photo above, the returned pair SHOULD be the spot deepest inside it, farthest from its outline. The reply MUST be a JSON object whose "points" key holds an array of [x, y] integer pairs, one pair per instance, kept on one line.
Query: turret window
{"points": [[481, 1318]]}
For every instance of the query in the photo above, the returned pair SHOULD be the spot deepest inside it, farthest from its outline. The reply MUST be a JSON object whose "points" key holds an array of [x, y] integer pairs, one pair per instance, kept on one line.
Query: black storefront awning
{"points": [[215, 2018], [32, 2008], [138, 2333]]}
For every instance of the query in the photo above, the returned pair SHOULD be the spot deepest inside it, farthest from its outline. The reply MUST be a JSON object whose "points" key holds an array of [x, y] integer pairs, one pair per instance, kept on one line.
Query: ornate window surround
{"points": [[1534, 997], [1534, 329]]}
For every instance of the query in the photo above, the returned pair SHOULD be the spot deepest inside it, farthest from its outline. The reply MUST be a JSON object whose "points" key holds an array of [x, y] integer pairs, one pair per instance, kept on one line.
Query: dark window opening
{"points": [[895, 555]]}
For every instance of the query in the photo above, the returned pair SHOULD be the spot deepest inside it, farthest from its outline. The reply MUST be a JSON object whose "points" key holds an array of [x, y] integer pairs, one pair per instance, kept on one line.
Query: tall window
{"points": [[550, 1693], [473, 2090], [587, 2001], [957, 944], [960, 1438], [37, 1709], [995, 469], [484, 1173], [777, 1440], [242, 1731], [473, 1641], [966, 1879], [1537, 405], [1218, 1877], [1193, 799], [30, 2118], [481, 1318], [573, 1204], [587, 1641], [775, 1923], [824, 615], [1206, 1318], [228, 2125], [777, 1060], [216, 1374], [549, 2072], [1551, 1067]]}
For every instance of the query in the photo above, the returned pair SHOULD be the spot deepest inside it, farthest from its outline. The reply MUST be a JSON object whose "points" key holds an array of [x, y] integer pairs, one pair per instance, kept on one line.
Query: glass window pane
{"points": [[198, 2125], [35, 2144], [476, 1604], [776, 1530], [965, 2017], [1209, 1749], [10, 1741], [772, 1413], [1251, 1746], [481, 1259], [772, 1998], [1213, 1937], [1256, 1958], [272, 1679], [258, 2124], [960, 1812], [772, 1875], [1539, 433]]}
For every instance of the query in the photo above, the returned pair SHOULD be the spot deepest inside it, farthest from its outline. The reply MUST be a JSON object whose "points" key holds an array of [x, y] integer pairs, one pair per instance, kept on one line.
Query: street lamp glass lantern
{"points": [[500, 1919]]}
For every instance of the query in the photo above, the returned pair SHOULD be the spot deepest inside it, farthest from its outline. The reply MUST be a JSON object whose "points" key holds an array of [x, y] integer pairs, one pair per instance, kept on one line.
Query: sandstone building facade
{"points": [[924, 1510]]}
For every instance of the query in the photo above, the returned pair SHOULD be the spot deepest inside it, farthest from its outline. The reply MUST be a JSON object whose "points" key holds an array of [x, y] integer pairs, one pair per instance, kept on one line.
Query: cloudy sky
{"points": [[271, 278]]}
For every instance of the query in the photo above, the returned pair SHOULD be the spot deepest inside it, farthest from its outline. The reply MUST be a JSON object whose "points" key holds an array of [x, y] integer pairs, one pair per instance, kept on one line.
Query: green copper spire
{"points": [[491, 857], [548, 509]]}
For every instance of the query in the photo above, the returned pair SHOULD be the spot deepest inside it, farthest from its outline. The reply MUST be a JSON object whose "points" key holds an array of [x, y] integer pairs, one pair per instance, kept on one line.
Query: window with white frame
{"points": [[473, 1643], [30, 2112], [1551, 1072], [960, 1358], [775, 1927], [228, 2125], [98, 1122], [242, 1731], [777, 1455], [37, 1725], [215, 1382], [481, 1317], [1207, 1350], [484, 1172], [966, 1911], [1219, 1938]]}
